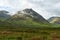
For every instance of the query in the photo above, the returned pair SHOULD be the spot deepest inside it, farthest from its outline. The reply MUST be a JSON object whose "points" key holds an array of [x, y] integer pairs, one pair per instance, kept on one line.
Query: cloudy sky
{"points": [[46, 8]]}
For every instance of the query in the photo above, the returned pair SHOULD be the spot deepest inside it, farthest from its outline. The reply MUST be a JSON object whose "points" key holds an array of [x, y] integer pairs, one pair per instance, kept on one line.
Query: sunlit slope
{"points": [[55, 20]]}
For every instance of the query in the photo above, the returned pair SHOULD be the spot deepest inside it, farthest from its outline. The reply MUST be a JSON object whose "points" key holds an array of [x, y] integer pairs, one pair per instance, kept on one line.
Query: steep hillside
{"points": [[29, 13]]}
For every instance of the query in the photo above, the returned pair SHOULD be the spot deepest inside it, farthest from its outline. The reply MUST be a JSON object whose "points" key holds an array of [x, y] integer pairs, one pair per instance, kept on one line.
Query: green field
{"points": [[29, 34]]}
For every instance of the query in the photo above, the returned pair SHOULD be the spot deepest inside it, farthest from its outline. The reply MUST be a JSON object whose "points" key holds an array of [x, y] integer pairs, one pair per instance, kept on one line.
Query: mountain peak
{"points": [[28, 10], [29, 13]]}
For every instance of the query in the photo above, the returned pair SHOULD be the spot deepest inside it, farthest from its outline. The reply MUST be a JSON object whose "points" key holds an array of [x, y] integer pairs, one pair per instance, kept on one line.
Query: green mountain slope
{"points": [[25, 18]]}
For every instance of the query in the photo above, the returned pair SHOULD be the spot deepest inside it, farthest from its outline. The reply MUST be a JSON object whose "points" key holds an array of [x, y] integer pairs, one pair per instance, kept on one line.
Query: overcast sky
{"points": [[46, 8]]}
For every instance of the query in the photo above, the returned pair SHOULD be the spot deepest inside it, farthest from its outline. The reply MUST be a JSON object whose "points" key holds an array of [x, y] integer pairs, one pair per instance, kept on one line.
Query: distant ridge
{"points": [[54, 20], [3, 14]]}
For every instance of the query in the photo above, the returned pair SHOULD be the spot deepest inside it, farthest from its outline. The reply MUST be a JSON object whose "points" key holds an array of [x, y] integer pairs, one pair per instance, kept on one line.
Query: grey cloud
{"points": [[49, 6]]}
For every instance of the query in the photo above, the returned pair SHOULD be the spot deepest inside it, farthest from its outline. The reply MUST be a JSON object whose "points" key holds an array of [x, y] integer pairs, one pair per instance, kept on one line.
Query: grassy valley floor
{"points": [[29, 34]]}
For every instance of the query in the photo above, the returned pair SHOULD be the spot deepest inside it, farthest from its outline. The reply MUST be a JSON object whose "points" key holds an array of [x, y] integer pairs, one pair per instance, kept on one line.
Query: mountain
{"points": [[54, 20], [26, 18], [29, 13], [3, 14]]}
